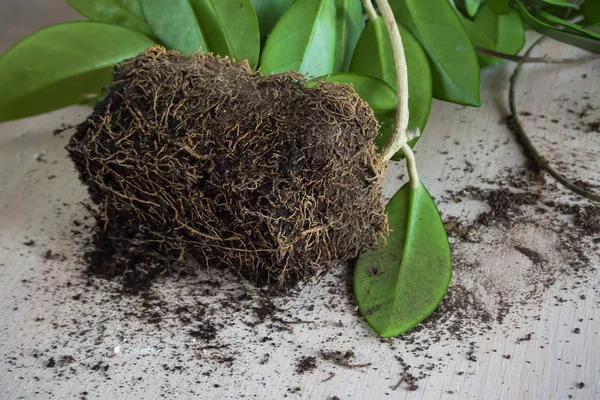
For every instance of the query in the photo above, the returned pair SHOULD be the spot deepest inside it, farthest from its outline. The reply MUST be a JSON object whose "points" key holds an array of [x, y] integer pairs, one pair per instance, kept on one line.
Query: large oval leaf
{"points": [[126, 13], [453, 60], [400, 284], [349, 24], [500, 32], [303, 40], [381, 97], [374, 57], [224, 27], [62, 65], [268, 13]]}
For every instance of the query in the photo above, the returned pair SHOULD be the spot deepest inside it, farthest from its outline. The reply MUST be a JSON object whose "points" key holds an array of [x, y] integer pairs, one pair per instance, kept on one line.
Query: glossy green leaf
{"points": [[472, 7], [566, 25], [303, 40], [500, 32], [454, 66], [126, 13], [349, 25], [398, 285], [374, 57], [499, 6], [269, 12], [584, 42], [61, 65], [591, 11], [224, 27], [561, 3]]}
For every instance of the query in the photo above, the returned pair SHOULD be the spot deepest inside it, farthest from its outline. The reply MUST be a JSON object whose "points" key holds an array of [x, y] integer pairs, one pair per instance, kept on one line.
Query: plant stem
{"points": [[369, 9], [544, 60], [399, 138], [525, 141], [411, 165]]}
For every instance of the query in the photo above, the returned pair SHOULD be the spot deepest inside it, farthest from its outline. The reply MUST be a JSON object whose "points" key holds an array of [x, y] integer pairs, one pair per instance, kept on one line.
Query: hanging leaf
{"points": [[349, 24], [500, 32], [398, 285], [591, 11], [374, 57], [499, 6], [567, 26], [453, 61], [268, 13], [126, 13], [303, 40], [62, 65], [224, 27], [561, 3], [472, 7], [584, 42]]}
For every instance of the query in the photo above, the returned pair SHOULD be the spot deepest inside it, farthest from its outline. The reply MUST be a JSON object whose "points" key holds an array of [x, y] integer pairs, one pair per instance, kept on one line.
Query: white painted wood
{"points": [[31, 207]]}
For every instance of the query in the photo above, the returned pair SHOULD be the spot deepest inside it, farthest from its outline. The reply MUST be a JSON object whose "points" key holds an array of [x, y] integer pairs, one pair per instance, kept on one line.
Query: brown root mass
{"points": [[203, 161]]}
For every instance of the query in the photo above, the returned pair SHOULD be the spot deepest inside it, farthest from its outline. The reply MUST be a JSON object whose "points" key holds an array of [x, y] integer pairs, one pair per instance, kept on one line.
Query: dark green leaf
{"points": [[269, 12], [567, 25], [454, 65], [62, 65], [499, 6], [126, 13], [472, 6], [584, 42], [591, 11], [400, 284], [500, 32], [225, 27], [561, 3], [303, 40], [349, 24], [374, 57]]}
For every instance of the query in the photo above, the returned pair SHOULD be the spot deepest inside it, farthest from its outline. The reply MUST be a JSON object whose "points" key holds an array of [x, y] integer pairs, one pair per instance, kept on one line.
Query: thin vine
{"points": [[526, 142]]}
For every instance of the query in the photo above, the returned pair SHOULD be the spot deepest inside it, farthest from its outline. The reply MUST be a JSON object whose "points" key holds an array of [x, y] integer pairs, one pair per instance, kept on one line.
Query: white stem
{"points": [[411, 165], [369, 9]]}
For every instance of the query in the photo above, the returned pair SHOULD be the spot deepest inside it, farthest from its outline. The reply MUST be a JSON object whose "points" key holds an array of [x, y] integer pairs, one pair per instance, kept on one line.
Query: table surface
{"points": [[62, 339]]}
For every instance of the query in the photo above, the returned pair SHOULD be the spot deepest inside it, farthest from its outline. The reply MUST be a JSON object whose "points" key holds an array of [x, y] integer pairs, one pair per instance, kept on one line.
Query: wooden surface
{"points": [[39, 196]]}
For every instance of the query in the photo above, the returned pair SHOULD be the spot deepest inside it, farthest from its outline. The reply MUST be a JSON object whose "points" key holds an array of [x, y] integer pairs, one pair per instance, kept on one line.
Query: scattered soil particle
{"points": [[51, 363], [306, 364], [580, 385]]}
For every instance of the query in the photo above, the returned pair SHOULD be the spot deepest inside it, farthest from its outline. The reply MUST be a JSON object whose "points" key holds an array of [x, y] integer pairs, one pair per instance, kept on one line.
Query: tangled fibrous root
{"points": [[199, 159]]}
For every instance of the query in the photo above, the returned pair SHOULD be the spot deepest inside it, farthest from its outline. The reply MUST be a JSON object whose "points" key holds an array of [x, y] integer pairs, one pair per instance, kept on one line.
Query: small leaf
{"points": [[268, 13], [567, 25], [453, 61], [472, 7], [62, 65], [398, 285], [499, 6], [374, 57], [303, 40], [349, 24], [584, 42], [500, 32], [225, 27], [591, 11], [126, 13]]}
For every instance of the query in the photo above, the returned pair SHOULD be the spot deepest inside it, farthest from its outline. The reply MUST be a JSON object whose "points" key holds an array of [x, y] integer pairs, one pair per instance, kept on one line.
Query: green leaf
{"points": [[568, 25], [591, 11], [62, 65], [269, 12], [500, 32], [453, 61], [398, 285], [224, 27], [499, 6], [349, 24], [303, 40], [584, 42], [126, 13], [374, 56], [472, 7], [561, 3]]}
